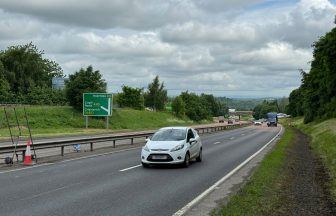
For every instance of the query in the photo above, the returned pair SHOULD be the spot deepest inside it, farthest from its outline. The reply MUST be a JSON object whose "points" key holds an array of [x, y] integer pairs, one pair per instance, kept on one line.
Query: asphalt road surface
{"points": [[116, 184]]}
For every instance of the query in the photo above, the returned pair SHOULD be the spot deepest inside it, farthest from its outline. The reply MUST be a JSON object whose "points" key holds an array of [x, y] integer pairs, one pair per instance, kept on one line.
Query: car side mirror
{"points": [[147, 139], [192, 140]]}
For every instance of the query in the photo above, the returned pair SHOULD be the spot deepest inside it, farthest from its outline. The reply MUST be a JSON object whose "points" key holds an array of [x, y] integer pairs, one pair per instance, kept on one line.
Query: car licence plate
{"points": [[159, 157]]}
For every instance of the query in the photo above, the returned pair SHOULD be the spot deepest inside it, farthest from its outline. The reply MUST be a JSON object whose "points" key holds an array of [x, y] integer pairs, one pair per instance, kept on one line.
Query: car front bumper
{"points": [[176, 157]]}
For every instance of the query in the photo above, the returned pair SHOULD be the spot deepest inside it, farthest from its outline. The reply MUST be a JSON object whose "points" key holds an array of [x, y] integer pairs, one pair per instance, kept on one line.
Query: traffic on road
{"points": [[116, 184]]}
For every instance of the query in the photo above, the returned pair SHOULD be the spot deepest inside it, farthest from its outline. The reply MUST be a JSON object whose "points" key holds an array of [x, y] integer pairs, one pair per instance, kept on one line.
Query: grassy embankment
{"points": [[52, 120], [323, 135], [259, 195]]}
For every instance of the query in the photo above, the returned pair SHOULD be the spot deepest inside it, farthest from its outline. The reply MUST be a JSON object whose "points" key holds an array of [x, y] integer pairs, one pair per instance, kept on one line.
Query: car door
{"points": [[199, 142], [193, 145]]}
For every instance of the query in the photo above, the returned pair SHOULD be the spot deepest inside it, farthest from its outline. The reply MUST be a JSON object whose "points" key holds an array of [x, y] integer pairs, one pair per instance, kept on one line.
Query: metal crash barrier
{"points": [[105, 138]]}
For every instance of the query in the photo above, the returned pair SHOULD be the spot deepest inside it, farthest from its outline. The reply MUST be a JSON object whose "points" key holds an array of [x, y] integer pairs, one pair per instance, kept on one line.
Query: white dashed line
{"points": [[68, 160], [217, 143], [231, 138], [129, 168]]}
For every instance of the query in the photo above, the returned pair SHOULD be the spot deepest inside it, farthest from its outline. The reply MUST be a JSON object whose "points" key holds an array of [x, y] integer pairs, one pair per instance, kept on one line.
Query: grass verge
{"points": [[323, 135], [260, 194], [64, 120]]}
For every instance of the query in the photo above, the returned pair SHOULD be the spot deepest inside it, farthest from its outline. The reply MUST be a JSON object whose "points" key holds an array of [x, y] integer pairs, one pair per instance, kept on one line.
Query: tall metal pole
{"points": [[86, 122], [10, 131]]}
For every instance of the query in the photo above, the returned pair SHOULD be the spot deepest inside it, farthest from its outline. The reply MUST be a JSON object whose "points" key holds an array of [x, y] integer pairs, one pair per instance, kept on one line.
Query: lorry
{"points": [[272, 119]]}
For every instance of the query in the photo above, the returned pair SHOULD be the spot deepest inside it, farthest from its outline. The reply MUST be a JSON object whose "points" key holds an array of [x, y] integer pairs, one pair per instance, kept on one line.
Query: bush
{"points": [[178, 107], [131, 97]]}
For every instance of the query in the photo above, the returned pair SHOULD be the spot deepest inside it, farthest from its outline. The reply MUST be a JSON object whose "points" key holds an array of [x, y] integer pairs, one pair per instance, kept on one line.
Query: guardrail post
{"points": [[114, 143], [91, 146], [62, 150]]}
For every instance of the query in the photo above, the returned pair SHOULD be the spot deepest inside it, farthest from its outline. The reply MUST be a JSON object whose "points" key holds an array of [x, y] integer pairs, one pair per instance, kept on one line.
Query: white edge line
{"points": [[217, 143], [129, 168], [68, 160], [183, 210]]}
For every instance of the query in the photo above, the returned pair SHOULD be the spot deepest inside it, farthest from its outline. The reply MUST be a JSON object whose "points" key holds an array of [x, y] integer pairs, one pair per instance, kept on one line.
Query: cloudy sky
{"points": [[235, 48]]}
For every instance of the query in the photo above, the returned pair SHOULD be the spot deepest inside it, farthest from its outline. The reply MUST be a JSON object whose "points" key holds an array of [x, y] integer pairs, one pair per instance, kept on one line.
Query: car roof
{"points": [[183, 128]]}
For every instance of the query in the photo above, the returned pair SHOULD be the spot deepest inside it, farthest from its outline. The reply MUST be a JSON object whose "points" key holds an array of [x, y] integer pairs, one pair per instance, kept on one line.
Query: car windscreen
{"points": [[169, 135]]}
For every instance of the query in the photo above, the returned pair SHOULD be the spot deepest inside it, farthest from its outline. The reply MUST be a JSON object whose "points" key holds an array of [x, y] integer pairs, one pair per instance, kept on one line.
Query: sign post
{"points": [[97, 104]]}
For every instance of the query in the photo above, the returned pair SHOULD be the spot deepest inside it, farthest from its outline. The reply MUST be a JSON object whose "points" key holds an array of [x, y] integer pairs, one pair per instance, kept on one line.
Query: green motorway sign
{"points": [[97, 104]]}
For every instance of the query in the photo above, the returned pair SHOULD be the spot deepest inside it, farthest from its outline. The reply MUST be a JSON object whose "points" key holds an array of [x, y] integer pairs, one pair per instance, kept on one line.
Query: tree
{"points": [[156, 97], [196, 109], [316, 97], [214, 106], [4, 87], [24, 68], [295, 108], [83, 81], [265, 107], [131, 97], [178, 107]]}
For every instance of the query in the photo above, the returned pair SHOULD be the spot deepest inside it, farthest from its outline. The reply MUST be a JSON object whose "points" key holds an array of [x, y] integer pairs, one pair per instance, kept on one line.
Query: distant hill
{"points": [[243, 104]]}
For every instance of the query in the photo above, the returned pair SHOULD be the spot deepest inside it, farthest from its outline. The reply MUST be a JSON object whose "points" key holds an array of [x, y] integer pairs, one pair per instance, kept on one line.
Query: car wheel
{"points": [[144, 165], [186, 160], [199, 158]]}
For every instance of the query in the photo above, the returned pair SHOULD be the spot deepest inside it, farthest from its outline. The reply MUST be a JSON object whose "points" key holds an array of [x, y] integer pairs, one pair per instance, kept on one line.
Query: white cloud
{"points": [[192, 32], [104, 14], [274, 53], [198, 45]]}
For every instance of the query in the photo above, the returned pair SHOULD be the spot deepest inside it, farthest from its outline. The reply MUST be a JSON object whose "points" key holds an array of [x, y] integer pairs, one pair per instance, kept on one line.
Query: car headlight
{"points": [[145, 148], [179, 147]]}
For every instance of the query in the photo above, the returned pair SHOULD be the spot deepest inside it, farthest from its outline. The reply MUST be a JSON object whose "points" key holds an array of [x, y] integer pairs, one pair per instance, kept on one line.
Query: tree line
{"points": [[316, 97], [196, 107], [26, 78]]}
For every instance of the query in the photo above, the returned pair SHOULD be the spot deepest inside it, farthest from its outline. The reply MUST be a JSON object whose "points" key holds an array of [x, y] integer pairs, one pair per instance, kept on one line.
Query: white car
{"points": [[172, 145], [258, 122]]}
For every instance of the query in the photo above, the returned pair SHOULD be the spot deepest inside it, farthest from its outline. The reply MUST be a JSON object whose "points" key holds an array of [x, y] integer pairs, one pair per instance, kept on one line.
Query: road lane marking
{"points": [[24, 168], [69, 160], [217, 143], [205, 193], [243, 134], [231, 138], [129, 168]]}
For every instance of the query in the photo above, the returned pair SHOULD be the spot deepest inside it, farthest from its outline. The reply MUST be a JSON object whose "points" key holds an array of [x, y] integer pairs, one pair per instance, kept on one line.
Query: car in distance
{"points": [[172, 145], [230, 121], [258, 122]]}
